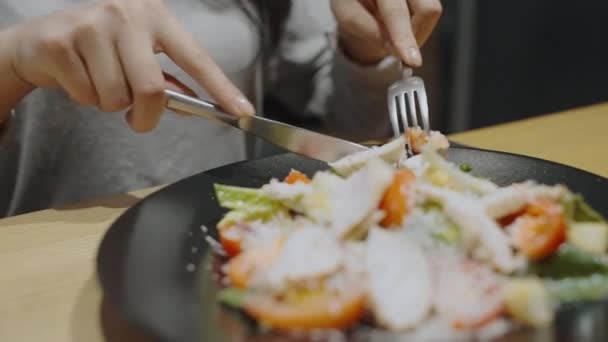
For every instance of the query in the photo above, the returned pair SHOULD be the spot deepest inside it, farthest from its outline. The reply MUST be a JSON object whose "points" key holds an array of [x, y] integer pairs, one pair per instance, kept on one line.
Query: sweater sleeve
{"points": [[311, 76]]}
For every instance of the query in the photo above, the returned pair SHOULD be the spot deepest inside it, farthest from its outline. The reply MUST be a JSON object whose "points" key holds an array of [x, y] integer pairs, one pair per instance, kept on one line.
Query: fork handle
{"points": [[406, 71]]}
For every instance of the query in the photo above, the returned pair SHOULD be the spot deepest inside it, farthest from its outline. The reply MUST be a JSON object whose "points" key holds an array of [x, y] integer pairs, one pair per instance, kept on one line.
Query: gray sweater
{"points": [[56, 152]]}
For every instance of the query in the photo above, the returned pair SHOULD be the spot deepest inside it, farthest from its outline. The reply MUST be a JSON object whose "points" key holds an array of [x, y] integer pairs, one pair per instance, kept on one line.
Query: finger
{"points": [[101, 58], [426, 14], [69, 71], [144, 77], [355, 19], [358, 24], [187, 53], [396, 17], [370, 5]]}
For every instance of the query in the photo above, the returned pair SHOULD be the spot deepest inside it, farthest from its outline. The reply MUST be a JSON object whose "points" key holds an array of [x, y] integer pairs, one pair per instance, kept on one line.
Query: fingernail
{"points": [[413, 56], [243, 107]]}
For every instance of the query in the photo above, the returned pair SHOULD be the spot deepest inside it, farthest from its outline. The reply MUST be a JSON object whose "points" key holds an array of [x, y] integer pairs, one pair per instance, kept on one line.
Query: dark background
{"points": [[495, 61]]}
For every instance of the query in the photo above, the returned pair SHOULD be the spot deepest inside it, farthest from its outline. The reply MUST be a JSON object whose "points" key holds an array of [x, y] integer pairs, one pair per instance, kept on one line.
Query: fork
{"points": [[407, 100]]}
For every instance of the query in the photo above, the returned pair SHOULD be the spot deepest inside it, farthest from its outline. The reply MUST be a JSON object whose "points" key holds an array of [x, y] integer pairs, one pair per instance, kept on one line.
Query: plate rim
{"points": [[146, 328]]}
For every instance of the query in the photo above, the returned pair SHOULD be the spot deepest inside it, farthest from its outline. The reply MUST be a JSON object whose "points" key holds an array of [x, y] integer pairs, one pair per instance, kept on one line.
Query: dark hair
{"points": [[271, 17]]}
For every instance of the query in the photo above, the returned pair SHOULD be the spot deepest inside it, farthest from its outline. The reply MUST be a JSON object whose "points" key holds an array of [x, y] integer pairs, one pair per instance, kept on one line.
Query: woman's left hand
{"points": [[370, 29]]}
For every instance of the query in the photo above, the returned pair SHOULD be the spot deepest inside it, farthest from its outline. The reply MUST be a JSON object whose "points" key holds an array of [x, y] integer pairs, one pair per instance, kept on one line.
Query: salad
{"points": [[408, 245]]}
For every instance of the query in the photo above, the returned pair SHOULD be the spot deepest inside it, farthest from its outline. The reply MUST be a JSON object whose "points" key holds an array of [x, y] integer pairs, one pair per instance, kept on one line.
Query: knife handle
{"points": [[185, 104]]}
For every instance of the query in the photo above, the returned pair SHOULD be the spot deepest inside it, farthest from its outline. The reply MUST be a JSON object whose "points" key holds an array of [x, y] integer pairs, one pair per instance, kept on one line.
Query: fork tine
{"points": [[411, 101], [401, 101], [393, 115], [402, 108], [424, 109]]}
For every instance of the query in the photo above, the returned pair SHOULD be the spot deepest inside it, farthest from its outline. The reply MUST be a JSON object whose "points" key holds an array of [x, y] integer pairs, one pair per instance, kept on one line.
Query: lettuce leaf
{"points": [[236, 216], [232, 296], [592, 287], [246, 204], [570, 261], [239, 198], [449, 235], [578, 210]]}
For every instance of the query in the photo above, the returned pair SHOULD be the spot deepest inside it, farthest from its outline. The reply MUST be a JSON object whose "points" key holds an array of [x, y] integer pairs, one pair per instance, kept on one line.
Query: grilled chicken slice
{"points": [[390, 152], [480, 232], [308, 254], [360, 196], [399, 280], [343, 204], [511, 199], [467, 293]]}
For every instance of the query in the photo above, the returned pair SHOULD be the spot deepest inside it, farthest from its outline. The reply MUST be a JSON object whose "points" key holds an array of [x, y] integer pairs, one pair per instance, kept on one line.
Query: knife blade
{"points": [[298, 140]]}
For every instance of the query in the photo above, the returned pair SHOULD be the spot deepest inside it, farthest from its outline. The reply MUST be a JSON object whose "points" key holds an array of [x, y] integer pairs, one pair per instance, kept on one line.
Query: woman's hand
{"points": [[370, 29], [104, 55]]}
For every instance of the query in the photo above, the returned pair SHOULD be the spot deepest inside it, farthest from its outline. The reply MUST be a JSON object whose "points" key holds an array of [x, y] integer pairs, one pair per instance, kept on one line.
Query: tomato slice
{"points": [[231, 238], [295, 176], [241, 268], [395, 203], [507, 220], [542, 229], [307, 310]]}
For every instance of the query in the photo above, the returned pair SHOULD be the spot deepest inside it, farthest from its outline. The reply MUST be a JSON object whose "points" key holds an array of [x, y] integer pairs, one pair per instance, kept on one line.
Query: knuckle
{"points": [[55, 44], [88, 28]]}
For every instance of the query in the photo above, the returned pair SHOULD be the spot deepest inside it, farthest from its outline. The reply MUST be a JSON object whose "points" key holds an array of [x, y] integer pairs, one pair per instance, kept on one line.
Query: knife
{"points": [[298, 140]]}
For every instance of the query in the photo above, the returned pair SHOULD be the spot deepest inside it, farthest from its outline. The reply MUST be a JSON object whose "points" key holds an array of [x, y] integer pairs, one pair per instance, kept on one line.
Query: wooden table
{"points": [[48, 286]]}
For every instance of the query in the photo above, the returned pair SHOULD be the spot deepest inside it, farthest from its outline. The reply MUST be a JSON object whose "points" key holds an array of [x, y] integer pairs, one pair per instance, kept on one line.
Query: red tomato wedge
{"points": [[542, 230], [507, 220], [307, 310], [395, 203], [241, 268], [296, 176], [231, 238]]}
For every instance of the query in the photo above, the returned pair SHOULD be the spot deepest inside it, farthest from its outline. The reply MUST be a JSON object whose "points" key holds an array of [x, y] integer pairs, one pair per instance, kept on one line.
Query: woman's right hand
{"points": [[104, 55]]}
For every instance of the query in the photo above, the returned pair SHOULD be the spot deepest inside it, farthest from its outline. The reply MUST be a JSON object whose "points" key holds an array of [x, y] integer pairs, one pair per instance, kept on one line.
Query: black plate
{"points": [[154, 263]]}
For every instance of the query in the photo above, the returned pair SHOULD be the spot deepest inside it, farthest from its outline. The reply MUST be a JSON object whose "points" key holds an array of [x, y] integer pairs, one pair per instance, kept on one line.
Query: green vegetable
{"points": [[570, 261], [333, 171], [247, 204], [466, 167], [431, 205], [593, 287], [232, 297], [577, 210], [449, 235], [236, 216], [239, 198]]}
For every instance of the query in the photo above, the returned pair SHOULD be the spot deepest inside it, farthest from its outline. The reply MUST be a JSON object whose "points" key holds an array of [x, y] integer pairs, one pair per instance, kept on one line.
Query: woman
{"points": [[61, 70]]}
